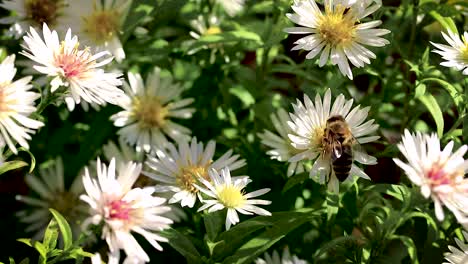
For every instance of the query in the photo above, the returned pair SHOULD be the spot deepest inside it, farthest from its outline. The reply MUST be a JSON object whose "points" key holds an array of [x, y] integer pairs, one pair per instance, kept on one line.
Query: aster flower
{"points": [[282, 150], [148, 109], [179, 169], [337, 33], [439, 173], [455, 55], [232, 7], [458, 255], [76, 69], [205, 27], [123, 153], [16, 104], [276, 259], [229, 193], [52, 193], [123, 209], [32, 13], [308, 131], [99, 24]]}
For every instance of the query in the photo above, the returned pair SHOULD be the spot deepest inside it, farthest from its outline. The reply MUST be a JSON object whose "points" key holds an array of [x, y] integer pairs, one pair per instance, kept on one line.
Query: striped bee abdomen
{"points": [[342, 165]]}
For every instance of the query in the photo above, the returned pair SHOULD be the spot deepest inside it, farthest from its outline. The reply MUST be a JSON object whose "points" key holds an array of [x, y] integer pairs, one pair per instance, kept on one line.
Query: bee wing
{"points": [[360, 154], [337, 150]]}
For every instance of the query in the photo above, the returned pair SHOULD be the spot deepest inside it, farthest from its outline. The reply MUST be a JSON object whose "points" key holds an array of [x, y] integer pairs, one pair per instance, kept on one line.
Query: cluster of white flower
{"points": [[322, 137]]}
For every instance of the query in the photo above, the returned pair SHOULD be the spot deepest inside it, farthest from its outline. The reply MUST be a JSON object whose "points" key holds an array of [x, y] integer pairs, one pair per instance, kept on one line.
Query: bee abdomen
{"points": [[342, 166]]}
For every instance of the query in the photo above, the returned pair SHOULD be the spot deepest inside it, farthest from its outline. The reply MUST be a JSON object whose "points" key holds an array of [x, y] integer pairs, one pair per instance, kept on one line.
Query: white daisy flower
{"points": [[455, 55], [337, 33], [179, 169], [229, 193], [148, 109], [79, 70], [458, 255], [282, 150], [205, 26], [16, 104], [439, 173], [50, 187], [99, 24], [123, 209], [123, 153], [32, 13], [275, 258], [308, 124], [232, 7]]}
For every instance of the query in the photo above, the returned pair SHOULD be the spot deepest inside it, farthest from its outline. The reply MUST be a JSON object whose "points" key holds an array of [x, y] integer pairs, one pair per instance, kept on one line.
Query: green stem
{"points": [[409, 86]]}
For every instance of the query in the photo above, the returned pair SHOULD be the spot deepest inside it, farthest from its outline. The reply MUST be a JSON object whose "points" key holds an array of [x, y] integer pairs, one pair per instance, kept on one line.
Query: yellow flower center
{"points": [[230, 196], [6, 102], [336, 27], [66, 202], [212, 30], [42, 11], [102, 25], [149, 112], [190, 175], [464, 49], [317, 140]]}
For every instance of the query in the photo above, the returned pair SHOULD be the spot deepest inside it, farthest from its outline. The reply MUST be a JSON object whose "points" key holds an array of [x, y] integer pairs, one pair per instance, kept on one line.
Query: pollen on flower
{"points": [[149, 112], [42, 11], [318, 136], [464, 49], [65, 202], [120, 210], [212, 30], [72, 62], [5, 105], [189, 175], [230, 196], [438, 176], [336, 27], [101, 25]]}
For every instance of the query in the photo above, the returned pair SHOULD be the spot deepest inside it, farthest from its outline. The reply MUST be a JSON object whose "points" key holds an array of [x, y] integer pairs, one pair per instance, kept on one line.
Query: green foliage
{"points": [[238, 75], [48, 251]]}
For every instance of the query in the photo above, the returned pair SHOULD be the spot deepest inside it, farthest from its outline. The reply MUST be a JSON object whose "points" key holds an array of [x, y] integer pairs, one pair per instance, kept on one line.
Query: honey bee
{"points": [[338, 142]]}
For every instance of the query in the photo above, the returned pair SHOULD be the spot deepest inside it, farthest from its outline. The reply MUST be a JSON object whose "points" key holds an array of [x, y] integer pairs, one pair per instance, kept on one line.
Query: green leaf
{"points": [[12, 165], [295, 180], [455, 93], [243, 94], [245, 241], [64, 229], [33, 159], [333, 204], [41, 248], [51, 235], [410, 246], [138, 11], [26, 241], [431, 104], [79, 253], [183, 245], [446, 22], [420, 90], [214, 223], [24, 261]]}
